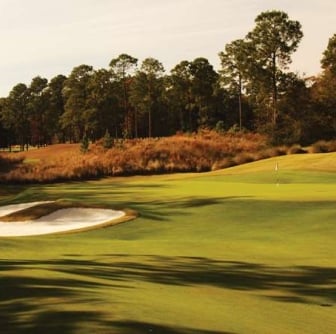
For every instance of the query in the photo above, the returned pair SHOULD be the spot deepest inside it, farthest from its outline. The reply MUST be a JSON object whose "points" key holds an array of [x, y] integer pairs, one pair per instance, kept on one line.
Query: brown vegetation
{"points": [[9, 161], [323, 146], [205, 151]]}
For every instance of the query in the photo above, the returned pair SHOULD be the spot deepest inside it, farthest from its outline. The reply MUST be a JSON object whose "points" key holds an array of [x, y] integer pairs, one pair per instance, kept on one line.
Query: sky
{"points": [[48, 37]]}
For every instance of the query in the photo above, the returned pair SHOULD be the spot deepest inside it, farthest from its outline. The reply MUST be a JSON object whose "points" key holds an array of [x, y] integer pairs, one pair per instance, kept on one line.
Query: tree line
{"points": [[253, 90]]}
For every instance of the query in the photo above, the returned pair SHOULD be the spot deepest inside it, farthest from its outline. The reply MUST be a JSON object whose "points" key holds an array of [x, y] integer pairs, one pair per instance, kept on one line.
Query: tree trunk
{"points": [[135, 123], [274, 92], [150, 123], [240, 103]]}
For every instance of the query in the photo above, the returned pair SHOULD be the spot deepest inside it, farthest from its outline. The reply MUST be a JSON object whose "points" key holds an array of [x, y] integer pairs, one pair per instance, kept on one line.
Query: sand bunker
{"points": [[62, 220]]}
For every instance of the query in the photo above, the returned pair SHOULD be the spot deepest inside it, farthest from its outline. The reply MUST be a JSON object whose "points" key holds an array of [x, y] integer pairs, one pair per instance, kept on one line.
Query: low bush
{"points": [[9, 161], [323, 146], [296, 149], [243, 158], [223, 163]]}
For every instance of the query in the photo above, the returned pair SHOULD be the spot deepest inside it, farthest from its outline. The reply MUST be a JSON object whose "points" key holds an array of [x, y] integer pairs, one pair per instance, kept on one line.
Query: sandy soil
{"points": [[59, 221], [8, 209]]}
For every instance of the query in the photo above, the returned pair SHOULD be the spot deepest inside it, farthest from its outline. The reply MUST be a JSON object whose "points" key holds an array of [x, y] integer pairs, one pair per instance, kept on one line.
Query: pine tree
{"points": [[107, 140], [84, 147]]}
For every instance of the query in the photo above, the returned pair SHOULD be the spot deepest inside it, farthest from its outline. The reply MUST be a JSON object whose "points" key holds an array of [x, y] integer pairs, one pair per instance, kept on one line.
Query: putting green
{"points": [[243, 250]]}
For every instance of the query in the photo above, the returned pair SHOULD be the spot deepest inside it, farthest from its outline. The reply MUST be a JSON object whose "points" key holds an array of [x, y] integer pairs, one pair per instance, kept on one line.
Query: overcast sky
{"points": [[50, 37]]}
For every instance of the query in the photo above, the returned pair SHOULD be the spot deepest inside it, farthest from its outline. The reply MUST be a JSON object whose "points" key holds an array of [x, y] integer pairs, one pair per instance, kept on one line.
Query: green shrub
{"points": [[220, 127], [84, 147], [107, 140]]}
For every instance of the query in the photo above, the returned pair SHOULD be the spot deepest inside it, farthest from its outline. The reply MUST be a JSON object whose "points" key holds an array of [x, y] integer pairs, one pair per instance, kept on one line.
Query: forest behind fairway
{"points": [[241, 250], [254, 90]]}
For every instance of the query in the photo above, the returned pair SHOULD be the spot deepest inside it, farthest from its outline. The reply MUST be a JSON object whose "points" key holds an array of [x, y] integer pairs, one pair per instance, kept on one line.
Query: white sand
{"points": [[8, 209], [59, 221]]}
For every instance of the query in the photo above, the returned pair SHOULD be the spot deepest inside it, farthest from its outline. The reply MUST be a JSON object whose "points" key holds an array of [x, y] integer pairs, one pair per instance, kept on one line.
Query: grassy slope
{"points": [[229, 251]]}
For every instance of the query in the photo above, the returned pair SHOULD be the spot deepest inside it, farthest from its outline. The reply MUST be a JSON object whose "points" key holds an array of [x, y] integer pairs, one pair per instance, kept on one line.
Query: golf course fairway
{"points": [[249, 249]]}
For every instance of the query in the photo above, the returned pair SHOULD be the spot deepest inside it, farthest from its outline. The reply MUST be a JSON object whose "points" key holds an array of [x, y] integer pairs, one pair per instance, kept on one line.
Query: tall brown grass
{"points": [[323, 146], [9, 161], [204, 151]]}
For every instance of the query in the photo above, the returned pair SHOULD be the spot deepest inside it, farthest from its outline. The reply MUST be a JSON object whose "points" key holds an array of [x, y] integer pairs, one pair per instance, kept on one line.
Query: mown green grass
{"points": [[243, 250]]}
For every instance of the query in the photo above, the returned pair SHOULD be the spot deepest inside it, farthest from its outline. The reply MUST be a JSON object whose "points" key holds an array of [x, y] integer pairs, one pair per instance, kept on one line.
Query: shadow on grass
{"points": [[163, 210], [30, 304], [198, 202], [51, 322], [67, 322], [25, 302], [167, 210], [299, 282], [120, 195], [128, 327]]}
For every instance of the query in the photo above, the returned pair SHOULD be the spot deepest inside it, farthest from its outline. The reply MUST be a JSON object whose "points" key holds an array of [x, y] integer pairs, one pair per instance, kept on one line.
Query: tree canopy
{"points": [[253, 90]]}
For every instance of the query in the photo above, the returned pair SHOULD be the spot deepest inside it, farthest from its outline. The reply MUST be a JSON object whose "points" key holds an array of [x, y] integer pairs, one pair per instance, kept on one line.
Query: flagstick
{"points": [[276, 168]]}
